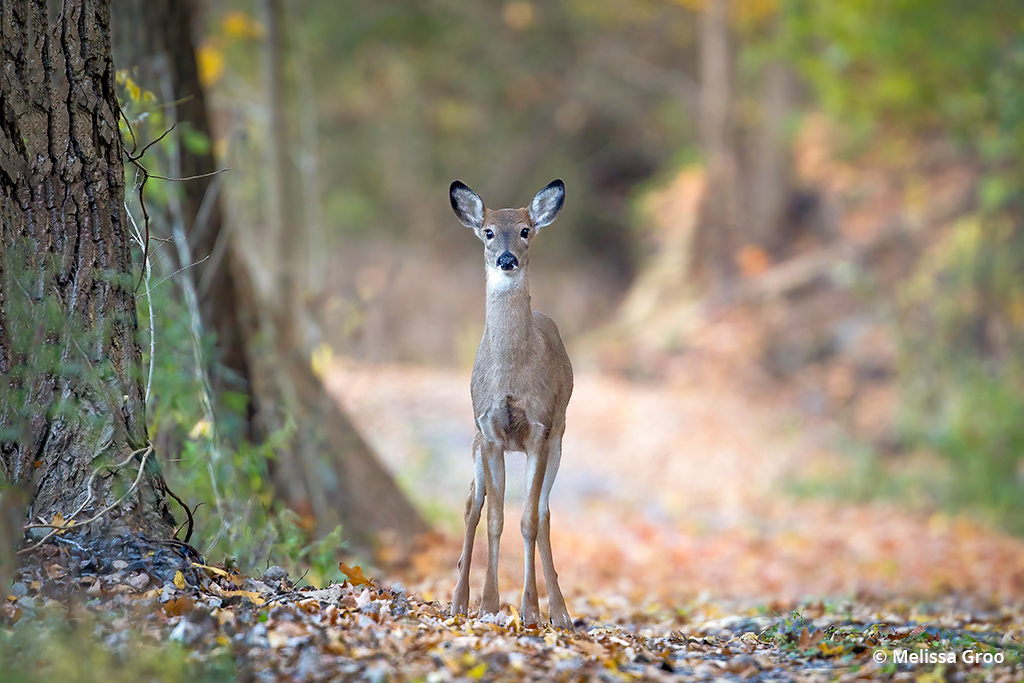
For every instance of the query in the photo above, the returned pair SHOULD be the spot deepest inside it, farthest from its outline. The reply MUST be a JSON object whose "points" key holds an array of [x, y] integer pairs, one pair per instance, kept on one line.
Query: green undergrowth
{"points": [[58, 646]]}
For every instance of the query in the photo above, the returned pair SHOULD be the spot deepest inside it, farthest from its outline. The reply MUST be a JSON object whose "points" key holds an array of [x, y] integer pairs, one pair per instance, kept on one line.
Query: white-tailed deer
{"points": [[522, 380]]}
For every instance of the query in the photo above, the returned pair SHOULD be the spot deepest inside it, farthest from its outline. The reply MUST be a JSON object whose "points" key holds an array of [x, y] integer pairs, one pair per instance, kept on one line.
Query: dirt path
{"points": [[676, 496]]}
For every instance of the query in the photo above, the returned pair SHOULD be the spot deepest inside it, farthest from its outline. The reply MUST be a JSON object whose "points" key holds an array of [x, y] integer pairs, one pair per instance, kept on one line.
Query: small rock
{"points": [[309, 663], [138, 581], [19, 589], [186, 632], [275, 573], [119, 564], [257, 637], [377, 672]]}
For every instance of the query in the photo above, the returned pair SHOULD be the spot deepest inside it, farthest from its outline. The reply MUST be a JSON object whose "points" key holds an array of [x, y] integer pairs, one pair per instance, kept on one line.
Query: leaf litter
{"points": [[685, 565], [364, 629]]}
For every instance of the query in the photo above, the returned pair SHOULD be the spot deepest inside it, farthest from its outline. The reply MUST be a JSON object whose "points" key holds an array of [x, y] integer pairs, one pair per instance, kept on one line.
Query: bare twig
{"points": [[191, 177], [149, 302], [58, 529], [182, 269], [195, 320], [136, 157], [190, 521]]}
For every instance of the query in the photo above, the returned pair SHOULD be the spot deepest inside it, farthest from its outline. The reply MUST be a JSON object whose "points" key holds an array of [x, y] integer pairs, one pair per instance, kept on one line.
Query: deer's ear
{"points": [[545, 206], [467, 205]]}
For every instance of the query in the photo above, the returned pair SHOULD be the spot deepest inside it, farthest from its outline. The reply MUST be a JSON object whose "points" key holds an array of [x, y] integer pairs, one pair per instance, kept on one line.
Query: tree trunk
{"points": [[327, 473], [769, 180], [155, 38], [72, 411], [714, 247]]}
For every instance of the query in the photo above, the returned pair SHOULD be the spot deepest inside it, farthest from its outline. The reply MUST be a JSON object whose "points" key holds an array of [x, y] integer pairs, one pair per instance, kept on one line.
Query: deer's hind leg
{"points": [[536, 464], [474, 505], [556, 603]]}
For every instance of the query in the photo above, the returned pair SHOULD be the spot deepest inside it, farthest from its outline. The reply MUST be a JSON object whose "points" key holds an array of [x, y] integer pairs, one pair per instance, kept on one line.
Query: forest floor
{"points": [[681, 548]]}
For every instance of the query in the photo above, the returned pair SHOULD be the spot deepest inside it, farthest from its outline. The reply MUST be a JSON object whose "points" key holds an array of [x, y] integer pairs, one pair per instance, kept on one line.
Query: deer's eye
{"points": [[525, 233], [488, 234]]}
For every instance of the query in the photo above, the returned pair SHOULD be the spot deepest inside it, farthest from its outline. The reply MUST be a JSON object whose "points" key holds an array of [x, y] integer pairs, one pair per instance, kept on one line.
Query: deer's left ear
{"points": [[545, 206]]}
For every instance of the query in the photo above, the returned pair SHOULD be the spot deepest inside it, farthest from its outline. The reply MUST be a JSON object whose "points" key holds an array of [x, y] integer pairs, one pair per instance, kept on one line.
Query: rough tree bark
{"points": [[327, 474], [71, 396]]}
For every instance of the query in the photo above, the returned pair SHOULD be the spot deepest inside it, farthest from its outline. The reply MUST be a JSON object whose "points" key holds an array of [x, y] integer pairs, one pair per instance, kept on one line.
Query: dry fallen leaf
{"points": [[179, 606], [808, 639], [179, 580], [355, 574], [211, 570]]}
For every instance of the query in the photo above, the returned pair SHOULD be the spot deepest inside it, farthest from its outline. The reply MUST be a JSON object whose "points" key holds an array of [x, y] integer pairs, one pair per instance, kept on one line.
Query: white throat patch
{"points": [[499, 280]]}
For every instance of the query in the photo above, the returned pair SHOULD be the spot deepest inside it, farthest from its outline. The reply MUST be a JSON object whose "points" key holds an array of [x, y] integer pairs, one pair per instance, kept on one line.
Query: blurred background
{"points": [[788, 274]]}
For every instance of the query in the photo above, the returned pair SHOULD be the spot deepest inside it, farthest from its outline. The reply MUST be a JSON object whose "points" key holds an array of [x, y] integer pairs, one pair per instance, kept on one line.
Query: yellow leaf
{"points": [[830, 650], [134, 91], [517, 624], [252, 595], [478, 671], [238, 24], [355, 574], [210, 61], [214, 570], [179, 580], [202, 428], [323, 354]]}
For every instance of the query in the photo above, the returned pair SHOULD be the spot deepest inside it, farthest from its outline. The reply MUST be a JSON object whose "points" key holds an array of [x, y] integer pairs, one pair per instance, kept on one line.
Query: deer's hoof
{"points": [[529, 616], [562, 620]]}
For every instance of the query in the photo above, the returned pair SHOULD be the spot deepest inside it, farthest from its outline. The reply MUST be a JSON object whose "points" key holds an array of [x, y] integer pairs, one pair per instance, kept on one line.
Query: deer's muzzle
{"points": [[508, 261]]}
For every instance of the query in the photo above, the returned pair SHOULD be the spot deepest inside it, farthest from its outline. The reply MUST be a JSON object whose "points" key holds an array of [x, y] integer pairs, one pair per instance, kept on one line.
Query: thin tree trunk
{"points": [[327, 473], [154, 37], [71, 396], [769, 180], [715, 240]]}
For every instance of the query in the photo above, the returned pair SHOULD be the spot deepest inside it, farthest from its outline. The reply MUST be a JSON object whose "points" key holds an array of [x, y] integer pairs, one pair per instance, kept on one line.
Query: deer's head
{"points": [[507, 233]]}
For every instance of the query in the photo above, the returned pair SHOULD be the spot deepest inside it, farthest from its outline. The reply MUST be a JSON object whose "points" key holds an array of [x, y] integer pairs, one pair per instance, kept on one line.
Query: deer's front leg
{"points": [[494, 479], [474, 504]]}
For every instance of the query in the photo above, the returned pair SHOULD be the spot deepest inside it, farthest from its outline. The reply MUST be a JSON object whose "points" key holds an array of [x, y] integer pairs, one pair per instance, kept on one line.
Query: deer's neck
{"points": [[508, 329]]}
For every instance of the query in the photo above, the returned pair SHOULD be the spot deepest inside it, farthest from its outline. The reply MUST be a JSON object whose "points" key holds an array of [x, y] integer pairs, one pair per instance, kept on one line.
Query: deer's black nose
{"points": [[507, 261]]}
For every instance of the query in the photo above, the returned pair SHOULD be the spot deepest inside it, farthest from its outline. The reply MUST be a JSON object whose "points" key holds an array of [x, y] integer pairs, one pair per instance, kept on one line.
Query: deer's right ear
{"points": [[467, 205]]}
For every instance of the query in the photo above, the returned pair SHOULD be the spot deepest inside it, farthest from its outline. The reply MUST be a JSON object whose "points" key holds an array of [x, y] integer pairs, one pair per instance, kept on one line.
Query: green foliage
{"points": [[207, 460], [48, 646], [916, 67], [408, 96], [316, 560]]}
